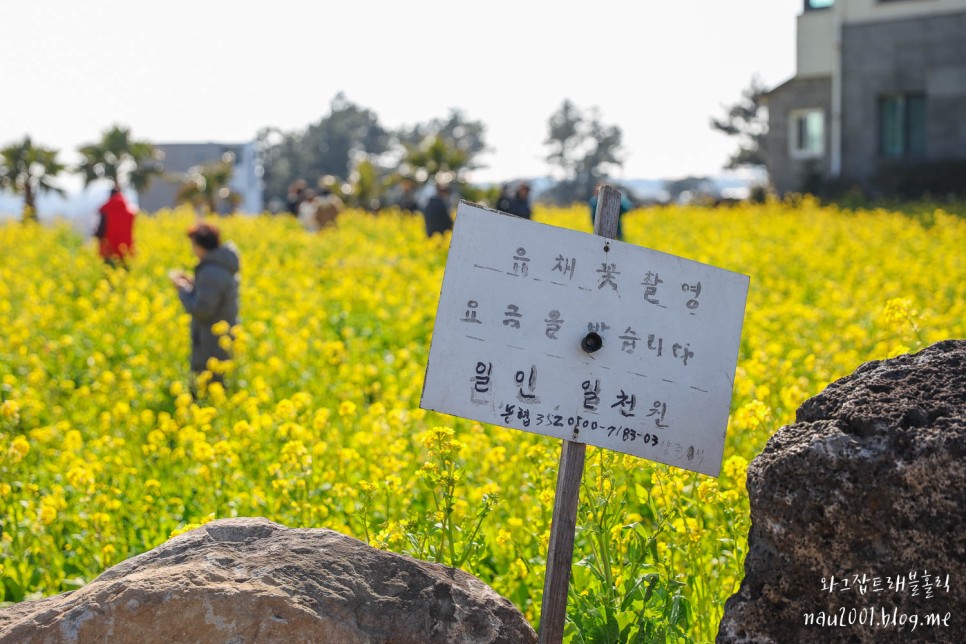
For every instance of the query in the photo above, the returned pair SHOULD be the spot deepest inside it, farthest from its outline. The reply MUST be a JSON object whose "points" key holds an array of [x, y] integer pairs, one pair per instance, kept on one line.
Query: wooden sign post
{"points": [[589, 340], [563, 525]]}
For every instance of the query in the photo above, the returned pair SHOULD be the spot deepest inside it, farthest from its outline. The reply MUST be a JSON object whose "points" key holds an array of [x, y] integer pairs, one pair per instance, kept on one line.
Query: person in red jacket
{"points": [[116, 229]]}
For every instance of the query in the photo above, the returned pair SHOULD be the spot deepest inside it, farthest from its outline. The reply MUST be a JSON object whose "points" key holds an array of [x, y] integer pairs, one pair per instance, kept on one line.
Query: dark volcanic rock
{"points": [[250, 581], [869, 482]]}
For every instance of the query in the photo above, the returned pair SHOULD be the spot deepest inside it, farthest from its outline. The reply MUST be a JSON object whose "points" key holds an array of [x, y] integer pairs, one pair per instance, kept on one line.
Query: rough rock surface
{"points": [[870, 480], [242, 581]]}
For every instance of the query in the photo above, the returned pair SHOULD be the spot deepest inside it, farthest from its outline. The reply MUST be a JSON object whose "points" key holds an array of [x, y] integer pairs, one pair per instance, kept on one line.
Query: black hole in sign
{"points": [[591, 342]]}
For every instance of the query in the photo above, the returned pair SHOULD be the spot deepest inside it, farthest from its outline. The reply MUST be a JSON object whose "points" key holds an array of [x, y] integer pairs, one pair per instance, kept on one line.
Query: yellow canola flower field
{"points": [[104, 454]]}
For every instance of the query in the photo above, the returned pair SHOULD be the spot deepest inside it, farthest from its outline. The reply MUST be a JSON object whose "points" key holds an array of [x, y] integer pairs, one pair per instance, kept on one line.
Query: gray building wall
{"points": [[788, 174], [181, 157], [924, 55]]}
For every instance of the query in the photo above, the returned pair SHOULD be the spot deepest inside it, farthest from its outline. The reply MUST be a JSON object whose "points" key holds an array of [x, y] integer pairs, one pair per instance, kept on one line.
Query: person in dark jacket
{"points": [[436, 212], [210, 297], [503, 201], [520, 202]]}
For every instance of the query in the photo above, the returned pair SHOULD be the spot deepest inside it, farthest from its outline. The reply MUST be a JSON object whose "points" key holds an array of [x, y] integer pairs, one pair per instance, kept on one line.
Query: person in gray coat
{"points": [[211, 296]]}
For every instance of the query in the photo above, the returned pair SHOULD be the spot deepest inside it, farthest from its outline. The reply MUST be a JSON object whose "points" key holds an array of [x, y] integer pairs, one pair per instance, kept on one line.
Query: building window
{"points": [[807, 133], [902, 125], [811, 5]]}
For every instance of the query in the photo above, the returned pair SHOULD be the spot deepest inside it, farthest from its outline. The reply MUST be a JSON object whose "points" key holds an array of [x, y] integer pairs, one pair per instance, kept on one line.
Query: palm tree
{"points": [[119, 158], [206, 185], [27, 169], [435, 158]]}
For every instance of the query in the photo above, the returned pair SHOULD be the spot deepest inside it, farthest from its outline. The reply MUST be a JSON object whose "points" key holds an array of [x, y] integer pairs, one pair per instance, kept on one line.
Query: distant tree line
{"points": [[350, 148], [347, 148], [350, 145]]}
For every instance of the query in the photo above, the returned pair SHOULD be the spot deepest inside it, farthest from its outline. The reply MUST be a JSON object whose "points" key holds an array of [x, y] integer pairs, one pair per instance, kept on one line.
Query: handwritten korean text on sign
{"points": [[519, 297]]}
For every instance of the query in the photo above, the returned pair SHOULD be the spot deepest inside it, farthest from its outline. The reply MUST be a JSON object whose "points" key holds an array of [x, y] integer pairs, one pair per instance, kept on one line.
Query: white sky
{"points": [[219, 70]]}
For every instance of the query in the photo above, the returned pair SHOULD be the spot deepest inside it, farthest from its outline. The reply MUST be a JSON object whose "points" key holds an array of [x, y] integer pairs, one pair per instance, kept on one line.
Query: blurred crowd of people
{"points": [[318, 209], [517, 203], [210, 294], [315, 209], [437, 210]]}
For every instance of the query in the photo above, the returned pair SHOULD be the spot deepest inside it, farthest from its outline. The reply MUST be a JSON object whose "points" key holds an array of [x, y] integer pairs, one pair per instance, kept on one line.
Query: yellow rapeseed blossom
{"points": [[19, 449], [347, 408], [48, 514], [752, 415], [107, 447], [191, 526], [10, 410], [735, 469], [220, 328], [898, 310], [518, 569], [708, 490]]}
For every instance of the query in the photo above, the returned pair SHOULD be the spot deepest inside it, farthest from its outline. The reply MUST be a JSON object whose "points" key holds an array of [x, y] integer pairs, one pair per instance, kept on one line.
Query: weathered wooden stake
{"points": [[560, 552]]}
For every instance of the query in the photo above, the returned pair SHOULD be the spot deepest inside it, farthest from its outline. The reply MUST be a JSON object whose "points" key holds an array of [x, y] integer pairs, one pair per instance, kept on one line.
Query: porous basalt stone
{"points": [[869, 481]]}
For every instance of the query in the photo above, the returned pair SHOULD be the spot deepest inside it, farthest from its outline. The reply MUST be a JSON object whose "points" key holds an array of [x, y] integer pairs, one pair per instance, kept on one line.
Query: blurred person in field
{"points": [[625, 206], [329, 207], [210, 297], [519, 204], [407, 200], [295, 196], [503, 201], [308, 210], [436, 211], [115, 229]]}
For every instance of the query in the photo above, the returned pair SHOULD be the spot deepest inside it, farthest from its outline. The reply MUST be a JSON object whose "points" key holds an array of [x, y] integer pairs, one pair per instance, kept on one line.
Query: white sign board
{"points": [[521, 308]]}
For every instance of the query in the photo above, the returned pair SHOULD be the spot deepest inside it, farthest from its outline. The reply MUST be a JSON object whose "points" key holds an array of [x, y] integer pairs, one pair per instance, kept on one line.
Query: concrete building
{"points": [[179, 158], [880, 85]]}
